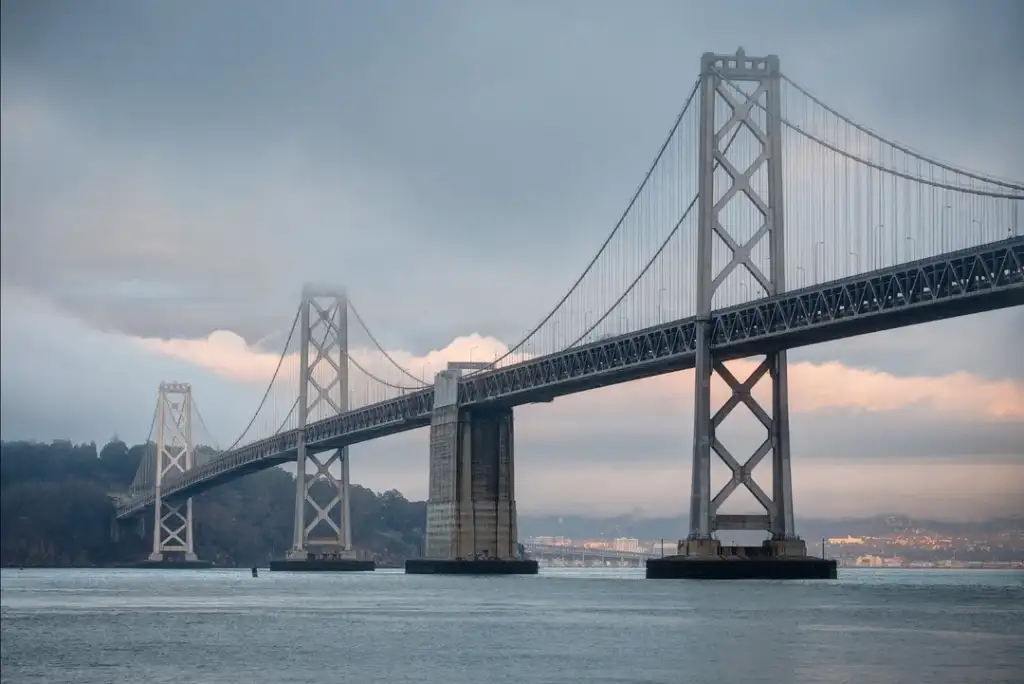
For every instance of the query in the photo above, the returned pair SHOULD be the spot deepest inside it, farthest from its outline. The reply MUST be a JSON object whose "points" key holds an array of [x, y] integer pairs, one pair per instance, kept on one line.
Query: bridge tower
{"points": [[758, 109], [322, 515], [175, 453]]}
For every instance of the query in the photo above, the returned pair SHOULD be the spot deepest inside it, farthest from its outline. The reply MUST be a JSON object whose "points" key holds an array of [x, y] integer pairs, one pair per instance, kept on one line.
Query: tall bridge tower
{"points": [[751, 100], [322, 515], [175, 454]]}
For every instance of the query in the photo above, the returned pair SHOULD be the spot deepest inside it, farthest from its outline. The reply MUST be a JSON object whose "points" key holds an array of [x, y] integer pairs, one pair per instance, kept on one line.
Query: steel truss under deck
{"points": [[969, 281]]}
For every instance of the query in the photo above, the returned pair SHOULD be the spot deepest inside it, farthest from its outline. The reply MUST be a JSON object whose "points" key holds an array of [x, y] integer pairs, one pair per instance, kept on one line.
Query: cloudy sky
{"points": [[173, 172]]}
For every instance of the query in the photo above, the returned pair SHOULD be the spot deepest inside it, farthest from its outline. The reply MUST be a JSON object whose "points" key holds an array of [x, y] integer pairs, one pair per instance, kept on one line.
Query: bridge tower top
{"points": [[323, 380], [174, 424], [740, 167], [739, 66], [175, 388]]}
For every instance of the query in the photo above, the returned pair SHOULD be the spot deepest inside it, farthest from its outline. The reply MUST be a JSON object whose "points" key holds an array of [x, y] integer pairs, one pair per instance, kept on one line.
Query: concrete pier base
{"points": [[471, 508], [687, 567], [491, 566], [170, 564], [773, 560]]}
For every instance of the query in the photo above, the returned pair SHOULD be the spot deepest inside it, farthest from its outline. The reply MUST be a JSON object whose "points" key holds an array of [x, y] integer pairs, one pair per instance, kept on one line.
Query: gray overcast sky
{"points": [[173, 169]]}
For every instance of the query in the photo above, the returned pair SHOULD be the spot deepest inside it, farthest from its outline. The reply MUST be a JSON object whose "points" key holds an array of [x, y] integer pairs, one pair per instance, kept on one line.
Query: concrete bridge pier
{"points": [[471, 510]]}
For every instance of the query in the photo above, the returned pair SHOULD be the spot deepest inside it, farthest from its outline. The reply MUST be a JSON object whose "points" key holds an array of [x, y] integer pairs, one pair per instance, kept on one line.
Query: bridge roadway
{"points": [[536, 551], [968, 281]]}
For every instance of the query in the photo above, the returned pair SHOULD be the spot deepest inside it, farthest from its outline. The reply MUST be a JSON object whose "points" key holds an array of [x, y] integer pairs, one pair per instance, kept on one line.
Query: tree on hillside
{"points": [[55, 510]]}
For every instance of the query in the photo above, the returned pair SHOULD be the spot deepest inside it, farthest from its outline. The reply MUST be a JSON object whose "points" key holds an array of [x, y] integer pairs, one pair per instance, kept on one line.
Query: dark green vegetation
{"points": [[55, 511]]}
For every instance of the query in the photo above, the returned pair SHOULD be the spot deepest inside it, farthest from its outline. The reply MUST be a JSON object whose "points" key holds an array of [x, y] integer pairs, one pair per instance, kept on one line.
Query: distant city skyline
{"points": [[158, 228]]}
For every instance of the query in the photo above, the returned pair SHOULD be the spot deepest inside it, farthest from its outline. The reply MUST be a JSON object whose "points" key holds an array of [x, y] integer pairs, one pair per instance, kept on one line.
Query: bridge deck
{"points": [[969, 281]]}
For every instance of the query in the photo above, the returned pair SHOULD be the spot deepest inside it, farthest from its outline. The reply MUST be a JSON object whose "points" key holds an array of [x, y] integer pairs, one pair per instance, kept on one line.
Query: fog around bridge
{"points": [[457, 205]]}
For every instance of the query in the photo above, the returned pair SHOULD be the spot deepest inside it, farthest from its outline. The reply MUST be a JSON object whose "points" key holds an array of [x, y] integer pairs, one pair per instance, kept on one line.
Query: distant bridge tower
{"points": [[175, 453], [724, 183], [322, 514]]}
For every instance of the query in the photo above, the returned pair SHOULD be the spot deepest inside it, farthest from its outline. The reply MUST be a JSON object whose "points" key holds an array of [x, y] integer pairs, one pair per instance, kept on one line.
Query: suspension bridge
{"points": [[767, 221]]}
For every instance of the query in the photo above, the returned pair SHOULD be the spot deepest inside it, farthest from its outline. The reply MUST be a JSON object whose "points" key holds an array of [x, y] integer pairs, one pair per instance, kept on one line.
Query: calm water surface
{"points": [[120, 626]]}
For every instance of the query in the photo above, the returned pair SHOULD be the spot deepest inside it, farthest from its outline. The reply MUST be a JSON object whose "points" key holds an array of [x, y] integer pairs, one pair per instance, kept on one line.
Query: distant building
{"points": [[626, 544], [553, 541], [846, 540]]}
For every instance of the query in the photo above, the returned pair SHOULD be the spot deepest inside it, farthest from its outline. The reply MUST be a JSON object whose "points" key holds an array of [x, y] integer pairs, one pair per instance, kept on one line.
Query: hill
{"points": [[55, 511], [812, 529]]}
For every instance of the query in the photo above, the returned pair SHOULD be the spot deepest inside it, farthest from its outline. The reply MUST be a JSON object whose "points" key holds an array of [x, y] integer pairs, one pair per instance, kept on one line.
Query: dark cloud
{"points": [[411, 154]]}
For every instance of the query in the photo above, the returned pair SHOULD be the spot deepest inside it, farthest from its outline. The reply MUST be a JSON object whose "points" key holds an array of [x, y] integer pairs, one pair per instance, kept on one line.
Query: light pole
{"points": [[880, 251], [946, 222]]}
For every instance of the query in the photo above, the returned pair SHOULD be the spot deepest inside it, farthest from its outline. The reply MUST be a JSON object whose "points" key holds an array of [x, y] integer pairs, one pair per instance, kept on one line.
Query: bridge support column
{"points": [[471, 510], [322, 533], [726, 254], [173, 542]]}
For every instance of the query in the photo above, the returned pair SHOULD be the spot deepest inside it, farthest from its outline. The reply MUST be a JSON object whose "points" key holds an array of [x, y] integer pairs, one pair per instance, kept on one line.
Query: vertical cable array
{"points": [[145, 474], [374, 374], [856, 202], [206, 445], [276, 409], [594, 305]]}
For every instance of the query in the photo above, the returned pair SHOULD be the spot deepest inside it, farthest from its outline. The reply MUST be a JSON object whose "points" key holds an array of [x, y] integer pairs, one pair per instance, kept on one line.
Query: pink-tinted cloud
{"points": [[223, 352], [813, 387], [829, 488], [833, 386]]}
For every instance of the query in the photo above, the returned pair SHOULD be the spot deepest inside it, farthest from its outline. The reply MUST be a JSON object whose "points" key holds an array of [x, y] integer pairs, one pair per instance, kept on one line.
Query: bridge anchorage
{"points": [[874, 236]]}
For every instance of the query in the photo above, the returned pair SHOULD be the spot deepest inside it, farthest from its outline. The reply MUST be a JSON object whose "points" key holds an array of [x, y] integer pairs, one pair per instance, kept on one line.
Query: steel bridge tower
{"points": [[323, 391], [758, 80], [175, 454]]}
